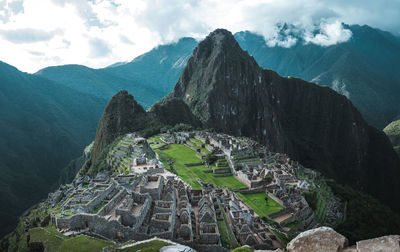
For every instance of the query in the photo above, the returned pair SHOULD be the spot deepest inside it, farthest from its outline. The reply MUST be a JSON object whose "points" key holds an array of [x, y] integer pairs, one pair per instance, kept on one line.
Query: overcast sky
{"points": [[96, 33]]}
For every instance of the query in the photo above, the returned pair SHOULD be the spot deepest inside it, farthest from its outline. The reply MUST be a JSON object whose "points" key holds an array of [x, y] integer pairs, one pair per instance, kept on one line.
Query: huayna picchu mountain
{"points": [[225, 89], [121, 116]]}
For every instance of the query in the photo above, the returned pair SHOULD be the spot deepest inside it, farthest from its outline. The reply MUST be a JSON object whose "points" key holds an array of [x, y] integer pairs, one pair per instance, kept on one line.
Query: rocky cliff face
{"points": [[225, 89]]}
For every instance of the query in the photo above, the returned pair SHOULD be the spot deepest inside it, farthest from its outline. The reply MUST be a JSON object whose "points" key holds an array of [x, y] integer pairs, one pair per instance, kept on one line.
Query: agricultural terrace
{"points": [[177, 155]]}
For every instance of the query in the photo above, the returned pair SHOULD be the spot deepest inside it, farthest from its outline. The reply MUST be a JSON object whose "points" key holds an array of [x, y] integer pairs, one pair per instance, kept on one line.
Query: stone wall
{"points": [[99, 198], [113, 202], [221, 170], [157, 190], [129, 219], [272, 196]]}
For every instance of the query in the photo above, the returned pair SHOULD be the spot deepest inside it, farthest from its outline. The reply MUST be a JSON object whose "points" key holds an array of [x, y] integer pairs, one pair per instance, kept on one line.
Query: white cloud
{"points": [[28, 35], [329, 34], [99, 48], [98, 33]]}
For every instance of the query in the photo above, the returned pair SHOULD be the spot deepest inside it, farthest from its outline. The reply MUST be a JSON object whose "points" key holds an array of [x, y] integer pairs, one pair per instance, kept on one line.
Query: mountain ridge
{"points": [[44, 125], [226, 90], [363, 68]]}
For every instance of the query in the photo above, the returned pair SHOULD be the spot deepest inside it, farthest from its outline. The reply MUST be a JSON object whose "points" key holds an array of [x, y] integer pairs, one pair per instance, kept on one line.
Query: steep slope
{"points": [[122, 115], [393, 132], [43, 126], [226, 90], [365, 68], [149, 76]]}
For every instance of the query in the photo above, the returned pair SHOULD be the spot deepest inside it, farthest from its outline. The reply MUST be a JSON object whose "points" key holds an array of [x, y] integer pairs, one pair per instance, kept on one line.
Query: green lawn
{"points": [[293, 224], [184, 155], [155, 142], [55, 241], [151, 246], [243, 249], [198, 143], [257, 202], [230, 236], [83, 243], [49, 236], [223, 231]]}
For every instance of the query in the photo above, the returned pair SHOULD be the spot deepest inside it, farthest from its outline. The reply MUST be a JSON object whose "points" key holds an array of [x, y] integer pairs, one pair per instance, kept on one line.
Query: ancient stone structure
{"points": [[141, 200]]}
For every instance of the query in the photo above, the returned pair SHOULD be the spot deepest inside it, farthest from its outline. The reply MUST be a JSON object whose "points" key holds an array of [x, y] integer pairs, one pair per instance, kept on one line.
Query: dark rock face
{"points": [[36, 247], [121, 115], [173, 111], [225, 89]]}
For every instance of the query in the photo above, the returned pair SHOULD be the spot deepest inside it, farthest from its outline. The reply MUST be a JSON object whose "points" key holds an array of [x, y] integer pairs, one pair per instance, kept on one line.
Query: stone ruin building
{"points": [[143, 201]]}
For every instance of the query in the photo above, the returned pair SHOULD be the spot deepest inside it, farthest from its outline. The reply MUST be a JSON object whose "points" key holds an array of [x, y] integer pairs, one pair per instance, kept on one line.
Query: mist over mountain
{"points": [[364, 69], [43, 126]]}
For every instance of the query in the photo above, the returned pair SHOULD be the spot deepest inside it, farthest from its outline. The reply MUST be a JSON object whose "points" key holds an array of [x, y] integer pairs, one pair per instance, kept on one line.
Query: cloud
{"points": [[126, 40], [98, 33], [329, 34], [28, 35], [99, 48], [10, 8]]}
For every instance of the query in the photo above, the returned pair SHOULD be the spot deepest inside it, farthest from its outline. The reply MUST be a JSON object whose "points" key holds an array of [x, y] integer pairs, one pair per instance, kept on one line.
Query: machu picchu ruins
{"points": [[147, 193]]}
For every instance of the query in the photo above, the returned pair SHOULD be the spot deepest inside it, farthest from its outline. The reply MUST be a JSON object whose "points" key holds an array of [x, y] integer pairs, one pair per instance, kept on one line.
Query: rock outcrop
{"points": [[225, 89], [393, 132], [326, 239], [319, 239], [386, 243]]}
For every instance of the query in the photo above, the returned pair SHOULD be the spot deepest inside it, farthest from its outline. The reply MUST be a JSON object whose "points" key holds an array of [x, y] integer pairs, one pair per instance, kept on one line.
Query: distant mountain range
{"points": [[43, 126], [49, 117], [149, 77], [364, 69]]}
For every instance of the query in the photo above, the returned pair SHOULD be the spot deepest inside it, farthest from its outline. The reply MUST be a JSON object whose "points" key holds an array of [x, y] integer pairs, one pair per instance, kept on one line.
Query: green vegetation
{"points": [[229, 232], [365, 217], [285, 240], [100, 163], [261, 207], [151, 246], [293, 224], [44, 125], [83, 243], [100, 206], [49, 236], [243, 249], [318, 198], [181, 155], [228, 239], [181, 127], [223, 230]]}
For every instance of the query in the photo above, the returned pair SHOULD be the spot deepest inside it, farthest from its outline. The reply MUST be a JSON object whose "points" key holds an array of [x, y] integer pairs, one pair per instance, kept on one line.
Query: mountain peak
{"points": [[228, 91], [122, 115], [220, 39]]}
